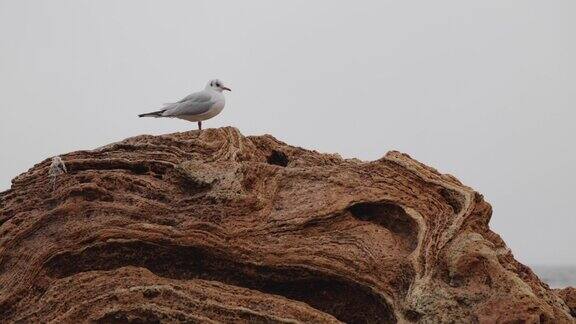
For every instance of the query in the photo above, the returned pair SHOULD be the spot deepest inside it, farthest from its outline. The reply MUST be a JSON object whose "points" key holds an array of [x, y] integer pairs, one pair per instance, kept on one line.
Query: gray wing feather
{"points": [[200, 96], [194, 104]]}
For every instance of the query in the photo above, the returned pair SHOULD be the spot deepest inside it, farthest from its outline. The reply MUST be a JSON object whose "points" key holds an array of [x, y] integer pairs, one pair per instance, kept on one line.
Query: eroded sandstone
{"points": [[215, 226]]}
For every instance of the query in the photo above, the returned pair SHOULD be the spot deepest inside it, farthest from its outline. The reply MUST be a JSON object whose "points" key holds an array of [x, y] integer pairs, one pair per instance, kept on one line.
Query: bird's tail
{"points": [[153, 114]]}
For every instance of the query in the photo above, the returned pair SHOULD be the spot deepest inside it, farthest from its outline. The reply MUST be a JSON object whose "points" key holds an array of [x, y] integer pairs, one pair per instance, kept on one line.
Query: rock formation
{"points": [[218, 227], [569, 296]]}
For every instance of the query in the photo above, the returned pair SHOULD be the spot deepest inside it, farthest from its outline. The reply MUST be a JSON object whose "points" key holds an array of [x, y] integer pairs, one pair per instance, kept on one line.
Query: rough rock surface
{"points": [[569, 296], [215, 226]]}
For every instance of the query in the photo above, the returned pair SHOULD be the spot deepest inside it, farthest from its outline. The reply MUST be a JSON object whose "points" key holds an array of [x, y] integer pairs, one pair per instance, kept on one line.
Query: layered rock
{"points": [[568, 294], [215, 226]]}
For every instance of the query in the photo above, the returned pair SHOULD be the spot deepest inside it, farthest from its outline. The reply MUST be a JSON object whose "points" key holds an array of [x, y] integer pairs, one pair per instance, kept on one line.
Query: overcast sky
{"points": [[484, 90]]}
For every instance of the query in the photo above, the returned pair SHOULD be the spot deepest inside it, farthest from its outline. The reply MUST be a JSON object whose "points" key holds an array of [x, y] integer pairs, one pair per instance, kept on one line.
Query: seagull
{"points": [[197, 106]]}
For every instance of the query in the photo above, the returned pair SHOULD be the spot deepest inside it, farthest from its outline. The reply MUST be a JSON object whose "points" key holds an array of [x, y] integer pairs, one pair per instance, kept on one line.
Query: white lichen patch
{"points": [[56, 168]]}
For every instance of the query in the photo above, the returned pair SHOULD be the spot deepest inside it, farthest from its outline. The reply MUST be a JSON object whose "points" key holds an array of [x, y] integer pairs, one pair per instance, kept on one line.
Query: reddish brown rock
{"points": [[569, 296], [215, 226]]}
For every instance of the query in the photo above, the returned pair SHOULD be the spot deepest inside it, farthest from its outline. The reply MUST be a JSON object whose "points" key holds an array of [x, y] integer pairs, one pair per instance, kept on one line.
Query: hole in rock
{"points": [[390, 216], [344, 299], [453, 198], [412, 315], [136, 167], [278, 158], [136, 316]]}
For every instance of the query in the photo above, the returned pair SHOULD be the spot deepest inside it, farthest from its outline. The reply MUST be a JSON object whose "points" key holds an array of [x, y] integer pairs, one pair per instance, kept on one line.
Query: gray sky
{"points": [[483, 90]]}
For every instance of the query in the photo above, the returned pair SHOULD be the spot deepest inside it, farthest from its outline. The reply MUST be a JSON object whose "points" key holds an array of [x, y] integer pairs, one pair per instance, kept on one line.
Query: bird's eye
{"points": [[217, 84]]}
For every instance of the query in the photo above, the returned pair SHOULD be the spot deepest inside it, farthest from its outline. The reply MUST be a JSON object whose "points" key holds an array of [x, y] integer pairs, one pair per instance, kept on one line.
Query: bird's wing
{"points": [[194, 104], [200, 96]]}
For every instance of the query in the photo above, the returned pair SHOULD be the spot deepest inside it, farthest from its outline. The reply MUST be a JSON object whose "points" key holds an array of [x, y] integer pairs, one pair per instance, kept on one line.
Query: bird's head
{"points": [[216, 85]]}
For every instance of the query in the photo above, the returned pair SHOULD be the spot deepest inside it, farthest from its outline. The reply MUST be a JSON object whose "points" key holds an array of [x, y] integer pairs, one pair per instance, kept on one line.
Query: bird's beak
{"points": [[225, 88]]}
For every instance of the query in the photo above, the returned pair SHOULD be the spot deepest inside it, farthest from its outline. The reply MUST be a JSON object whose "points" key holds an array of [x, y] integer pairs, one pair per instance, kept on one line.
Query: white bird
{"points": [[196, 107]]}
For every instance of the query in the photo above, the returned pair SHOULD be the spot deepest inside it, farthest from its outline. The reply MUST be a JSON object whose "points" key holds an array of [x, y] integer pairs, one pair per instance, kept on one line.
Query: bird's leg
{"points": [[200, 125]]}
